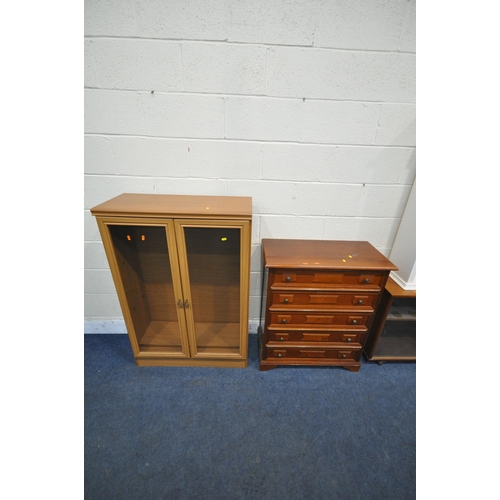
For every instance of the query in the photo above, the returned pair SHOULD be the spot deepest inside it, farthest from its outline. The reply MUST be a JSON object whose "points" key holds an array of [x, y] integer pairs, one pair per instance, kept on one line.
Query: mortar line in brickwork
{"points": [[94, 66], [226, 42], [252, 96], [142, 114], [182, 68], [378, 125], [267, 70], [405, 163], [301, 123], [223, 118], [112, 155], [261, 169], [256, 141], [225, 180], [350, 77], [404, 24], [135, 17]]}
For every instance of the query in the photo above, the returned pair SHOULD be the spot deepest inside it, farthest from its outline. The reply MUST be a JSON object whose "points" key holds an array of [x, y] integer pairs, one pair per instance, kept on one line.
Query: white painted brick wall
{"points": [[383, 201], [264, 199], [339, 122], [276, 22], [314, 73], [90, 75], [110, 18], [382, 77], [98, 155], [367, 25], [224, 159], [298, 162], [324, 199], [288, 226], [183, 115], [138, 64], [181, 19], [113, 112], [166, 157], [262, 118], [371, 165], [396, 125], [224, 69], [307, 106]]}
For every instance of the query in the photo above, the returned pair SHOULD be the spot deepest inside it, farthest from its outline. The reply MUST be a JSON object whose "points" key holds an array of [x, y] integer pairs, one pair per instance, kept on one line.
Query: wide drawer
{"points": [[317, 300], [321, 278], [313, 353], [319, 320], [317, 337]]}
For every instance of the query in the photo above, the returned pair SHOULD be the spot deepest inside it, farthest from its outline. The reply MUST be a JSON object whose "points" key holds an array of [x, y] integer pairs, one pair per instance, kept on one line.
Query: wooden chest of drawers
{"points": [[319, 299]]}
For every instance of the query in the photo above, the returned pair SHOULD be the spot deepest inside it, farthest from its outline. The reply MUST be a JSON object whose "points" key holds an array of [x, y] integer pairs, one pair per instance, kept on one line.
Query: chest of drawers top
{"points": [[323, 254]]}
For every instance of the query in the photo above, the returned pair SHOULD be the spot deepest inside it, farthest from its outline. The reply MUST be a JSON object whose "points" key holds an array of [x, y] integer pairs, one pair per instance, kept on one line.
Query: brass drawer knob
{"points": [[281, 338], [349, 339], [286, 301], [288, 278], [360, 301], [283, 320], [279, 355], [354, 321], [344, 356]]}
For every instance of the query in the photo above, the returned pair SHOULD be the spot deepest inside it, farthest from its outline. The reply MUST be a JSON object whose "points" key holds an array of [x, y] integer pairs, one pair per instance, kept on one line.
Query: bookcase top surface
{"points": [[323, 254], [167, 205]]}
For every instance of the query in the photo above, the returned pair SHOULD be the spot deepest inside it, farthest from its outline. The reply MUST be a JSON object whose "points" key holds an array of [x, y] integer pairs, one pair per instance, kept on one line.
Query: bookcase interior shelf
{"points": [[394, 333]]}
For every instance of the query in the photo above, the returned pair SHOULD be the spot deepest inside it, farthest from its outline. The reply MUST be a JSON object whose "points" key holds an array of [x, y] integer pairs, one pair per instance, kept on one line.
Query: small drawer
{"points": [[283, 298], [352, 338], [278, 353], [313, 352], [363, 300], [312, 301], [356, 320], [316, 337], [323, 320], [287, 277], [326, 278], [279, 336]]}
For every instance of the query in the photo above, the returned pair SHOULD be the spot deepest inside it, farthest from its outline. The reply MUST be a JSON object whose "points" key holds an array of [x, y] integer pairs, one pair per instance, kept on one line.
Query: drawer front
{"points": [[313, 353], [323, 277], [319, 320], [301, 300], [316, 337]]}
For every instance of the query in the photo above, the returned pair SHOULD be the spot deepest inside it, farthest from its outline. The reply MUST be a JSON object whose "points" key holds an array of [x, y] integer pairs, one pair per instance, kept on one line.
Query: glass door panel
{"points": [[142, 256], [213, 261]]}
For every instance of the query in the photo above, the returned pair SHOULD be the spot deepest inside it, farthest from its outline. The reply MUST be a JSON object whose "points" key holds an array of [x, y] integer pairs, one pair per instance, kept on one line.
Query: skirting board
{"points": [[118, 326], [403, 284]]}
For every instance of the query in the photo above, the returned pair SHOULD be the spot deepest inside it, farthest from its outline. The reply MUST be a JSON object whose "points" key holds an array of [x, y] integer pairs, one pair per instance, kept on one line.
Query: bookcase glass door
{"points": [[213, 260], [144, 264]]}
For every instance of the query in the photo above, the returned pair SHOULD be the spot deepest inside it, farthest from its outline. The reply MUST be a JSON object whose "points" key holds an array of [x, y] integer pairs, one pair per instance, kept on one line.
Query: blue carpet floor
{"points": [[223, 434]]}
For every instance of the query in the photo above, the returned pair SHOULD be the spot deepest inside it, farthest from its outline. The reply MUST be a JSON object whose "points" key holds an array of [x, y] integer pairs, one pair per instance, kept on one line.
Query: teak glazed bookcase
{"points": [[181, 268]]}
